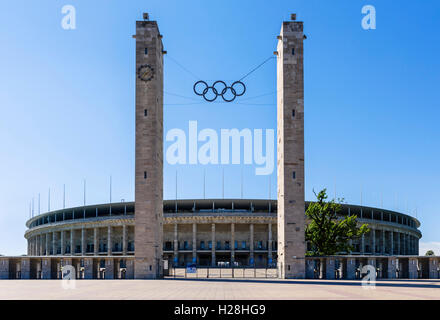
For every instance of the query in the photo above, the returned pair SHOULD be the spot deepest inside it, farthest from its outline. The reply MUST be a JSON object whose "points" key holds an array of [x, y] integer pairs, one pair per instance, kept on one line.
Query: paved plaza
{"points": [[218, 289]]}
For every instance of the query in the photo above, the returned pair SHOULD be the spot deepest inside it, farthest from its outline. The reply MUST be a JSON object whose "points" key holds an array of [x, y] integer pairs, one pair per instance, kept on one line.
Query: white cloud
{"points": [[425, 246]]}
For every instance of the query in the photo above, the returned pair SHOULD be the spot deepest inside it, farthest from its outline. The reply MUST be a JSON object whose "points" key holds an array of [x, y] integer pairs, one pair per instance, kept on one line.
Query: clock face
{"points": [[145, 72]]}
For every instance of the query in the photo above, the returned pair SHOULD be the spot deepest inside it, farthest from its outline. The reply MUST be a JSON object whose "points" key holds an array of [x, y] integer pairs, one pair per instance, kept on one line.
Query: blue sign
{"points": [[251, 261]]}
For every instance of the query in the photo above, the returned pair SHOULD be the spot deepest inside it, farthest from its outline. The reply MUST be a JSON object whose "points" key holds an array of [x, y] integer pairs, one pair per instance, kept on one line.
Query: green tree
{"points": [[327, 232], [429, 253]]}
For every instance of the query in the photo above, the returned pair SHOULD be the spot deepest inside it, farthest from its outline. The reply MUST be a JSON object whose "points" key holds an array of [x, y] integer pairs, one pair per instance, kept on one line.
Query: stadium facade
{"points": [[146, 238]]}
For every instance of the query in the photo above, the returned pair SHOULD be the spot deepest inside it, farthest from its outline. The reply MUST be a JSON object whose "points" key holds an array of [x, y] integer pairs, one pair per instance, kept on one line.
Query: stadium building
{"points": [[147, 238], [235, 232]]}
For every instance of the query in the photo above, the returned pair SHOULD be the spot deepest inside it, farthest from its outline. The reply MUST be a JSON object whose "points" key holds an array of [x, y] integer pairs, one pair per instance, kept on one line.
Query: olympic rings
{"points": [[220, 88]]}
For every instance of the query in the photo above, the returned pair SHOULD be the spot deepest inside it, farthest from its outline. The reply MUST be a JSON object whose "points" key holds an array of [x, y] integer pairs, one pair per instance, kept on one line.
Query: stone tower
{"points": [[290, 150], [149, 151]]}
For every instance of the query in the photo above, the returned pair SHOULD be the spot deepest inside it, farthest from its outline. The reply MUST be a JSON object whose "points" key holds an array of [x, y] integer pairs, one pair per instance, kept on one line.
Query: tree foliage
{"points": [[429, 253], [327, 232]]}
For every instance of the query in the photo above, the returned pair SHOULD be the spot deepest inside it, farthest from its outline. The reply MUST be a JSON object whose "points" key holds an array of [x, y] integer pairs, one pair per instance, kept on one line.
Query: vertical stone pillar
{"points": [[46, 268], [124, 240], [39, 245], [72, 242], [176, 245], [63, 234], [25, 268], [129, 274], [433, 265], [290, 151], [213, 262], [43, 244], [109, 241], [363, 244], [194, 243], [88, 268], [391, 242], [47, 244], [54, 243], [392, 266], [109, 268], [83, 241], [232, 244], [4, 268], [398, 244], [149, 151], [269, 243], [351, 269], [251, 244], [373, 241], [330, 268], [95, 241], [412, 268]]}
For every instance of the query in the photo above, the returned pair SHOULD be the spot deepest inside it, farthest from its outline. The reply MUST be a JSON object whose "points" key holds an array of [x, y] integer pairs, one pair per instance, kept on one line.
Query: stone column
{"points": [[373, 240], [129, 274], [232, 244], [25, 268], [46, 269], [109, 243], [39, 245], [63, 233], [194, 243], [149, 151], [83, 241], [433, 265], [54, 243], [398, 244], [363, 244], [28, 247], [109, 268], [47, 244], [251, 243], [351, 269], [124, 240], [72, 242], [310, 269], [269, 243], [392, 266], [213, 262], [95, 241], [412, 268], [290, 150], [176, 245], [4, 268], [405, 244], [392, 242], [88, 268], [330, 268]]}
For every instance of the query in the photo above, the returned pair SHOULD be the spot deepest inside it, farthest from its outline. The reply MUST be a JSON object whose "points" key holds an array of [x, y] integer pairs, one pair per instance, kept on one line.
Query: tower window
{"points": [[293, 51], [145, 174], [293, 113], [294, 175], [146, 51], [145, 112]]}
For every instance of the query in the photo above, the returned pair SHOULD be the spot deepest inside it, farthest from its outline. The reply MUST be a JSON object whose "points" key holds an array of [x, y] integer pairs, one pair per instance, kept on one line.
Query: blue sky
{"points": [[67, 100]]}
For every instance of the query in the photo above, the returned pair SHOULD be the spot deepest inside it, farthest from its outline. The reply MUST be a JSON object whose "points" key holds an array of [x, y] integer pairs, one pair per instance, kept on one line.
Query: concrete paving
{"points": [[219, 289]]}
